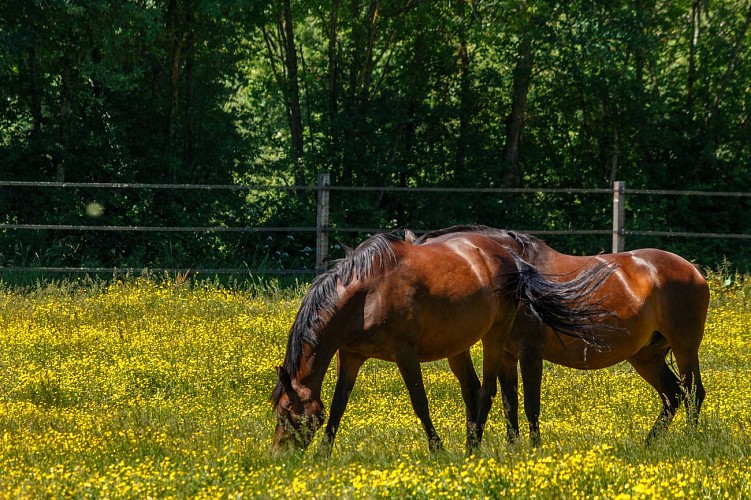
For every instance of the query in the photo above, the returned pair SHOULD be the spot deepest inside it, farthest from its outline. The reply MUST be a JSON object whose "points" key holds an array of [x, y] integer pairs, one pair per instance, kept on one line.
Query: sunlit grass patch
{"points": [[158, 387]]}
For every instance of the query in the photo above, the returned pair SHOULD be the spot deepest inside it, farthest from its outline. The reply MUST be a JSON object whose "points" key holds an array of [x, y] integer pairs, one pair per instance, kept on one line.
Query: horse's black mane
{"points": [[527, 242], [322, 297]]}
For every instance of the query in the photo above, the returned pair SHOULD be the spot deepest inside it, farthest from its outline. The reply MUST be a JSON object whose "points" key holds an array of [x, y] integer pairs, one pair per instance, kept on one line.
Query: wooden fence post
{"points": [[619, 216], [322, 222]]}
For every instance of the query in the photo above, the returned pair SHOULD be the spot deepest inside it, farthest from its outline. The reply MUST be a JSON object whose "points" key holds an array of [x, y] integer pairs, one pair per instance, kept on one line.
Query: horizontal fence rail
{"points": [[393, 189], [324, 190], [162, 229]]}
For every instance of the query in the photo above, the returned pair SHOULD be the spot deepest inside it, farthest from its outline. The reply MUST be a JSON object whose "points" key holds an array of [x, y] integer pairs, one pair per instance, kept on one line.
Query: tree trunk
{"points": [[615, 153], [360, 78], [66, 111], [464, 95], [692, 55], [638, 48], [176, 39], [180, 30], [281, 49], [294, 109], [333, 90], [35, 90], [189, 146], [515, 123], [369, 63]]}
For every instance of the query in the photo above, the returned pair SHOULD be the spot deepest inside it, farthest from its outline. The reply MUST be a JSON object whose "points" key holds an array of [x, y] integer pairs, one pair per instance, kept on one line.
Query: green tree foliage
{"points": [[488, 93]]}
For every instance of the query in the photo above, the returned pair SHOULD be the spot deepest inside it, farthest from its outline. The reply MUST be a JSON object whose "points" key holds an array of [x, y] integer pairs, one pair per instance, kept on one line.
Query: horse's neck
{"points": [[314, 363], [336, 332]]}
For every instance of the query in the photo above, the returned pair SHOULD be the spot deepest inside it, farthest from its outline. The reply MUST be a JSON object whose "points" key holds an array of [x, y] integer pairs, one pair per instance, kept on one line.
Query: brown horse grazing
{"points": [[658, 298], [397, 301]]}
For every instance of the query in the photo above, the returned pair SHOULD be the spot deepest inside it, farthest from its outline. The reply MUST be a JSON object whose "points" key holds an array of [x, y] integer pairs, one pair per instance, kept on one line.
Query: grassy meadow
{"points": [[159, 387]]}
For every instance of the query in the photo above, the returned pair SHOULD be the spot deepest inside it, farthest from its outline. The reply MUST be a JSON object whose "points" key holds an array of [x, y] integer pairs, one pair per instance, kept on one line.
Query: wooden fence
{"points": [[324, 190]]}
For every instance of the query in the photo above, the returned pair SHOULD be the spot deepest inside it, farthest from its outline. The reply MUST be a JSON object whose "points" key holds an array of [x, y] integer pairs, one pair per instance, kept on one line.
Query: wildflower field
{"points": [[159, 387]]}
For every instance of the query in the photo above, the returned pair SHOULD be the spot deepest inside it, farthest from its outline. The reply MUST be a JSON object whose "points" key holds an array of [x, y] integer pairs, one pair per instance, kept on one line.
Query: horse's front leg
{"points": [[509, 380], [409, 366], [348, 366], [464, 370]]}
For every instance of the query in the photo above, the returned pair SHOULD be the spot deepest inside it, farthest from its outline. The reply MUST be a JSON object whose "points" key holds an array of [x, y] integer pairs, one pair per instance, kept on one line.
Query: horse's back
{"points": [[441, 296]]}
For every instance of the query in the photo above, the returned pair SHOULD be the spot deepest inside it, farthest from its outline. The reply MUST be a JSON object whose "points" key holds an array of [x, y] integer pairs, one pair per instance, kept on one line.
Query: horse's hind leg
{"points": [[650, 363], [464, 370], [509, 380], [684, 334], [491, 366], [690, 380], [530, 364]]}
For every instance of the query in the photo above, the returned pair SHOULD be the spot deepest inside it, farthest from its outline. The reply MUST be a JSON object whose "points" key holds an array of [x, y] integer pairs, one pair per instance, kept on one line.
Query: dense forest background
{"points": [[408, 93]]}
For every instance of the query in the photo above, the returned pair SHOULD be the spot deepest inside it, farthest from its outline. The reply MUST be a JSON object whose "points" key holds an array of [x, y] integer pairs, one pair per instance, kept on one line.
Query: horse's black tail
{"points": [[567, 307]]}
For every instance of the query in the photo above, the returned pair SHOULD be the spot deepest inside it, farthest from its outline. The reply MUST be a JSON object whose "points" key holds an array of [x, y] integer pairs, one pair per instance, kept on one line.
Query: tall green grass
{"points": [[159, 386]]}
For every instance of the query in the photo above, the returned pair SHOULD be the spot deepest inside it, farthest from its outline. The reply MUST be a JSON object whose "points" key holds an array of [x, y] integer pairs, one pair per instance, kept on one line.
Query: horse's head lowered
{"points": [[299, 415]]}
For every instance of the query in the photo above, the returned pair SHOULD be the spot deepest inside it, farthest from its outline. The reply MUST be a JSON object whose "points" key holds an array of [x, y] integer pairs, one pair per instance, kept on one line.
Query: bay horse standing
{"points": [[397, 301], [657, 303]]}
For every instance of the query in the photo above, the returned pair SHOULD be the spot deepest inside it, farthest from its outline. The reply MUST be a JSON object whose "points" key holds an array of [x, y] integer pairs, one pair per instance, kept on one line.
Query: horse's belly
{"points": [[584, 357], [435, 343], [444, 344], [435, 332], [430, 346], [447, 331], [575, 353]]}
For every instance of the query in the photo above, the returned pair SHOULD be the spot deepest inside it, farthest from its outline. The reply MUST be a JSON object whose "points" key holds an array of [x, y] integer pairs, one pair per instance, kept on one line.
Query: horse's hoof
{"points": [[435, 446]]}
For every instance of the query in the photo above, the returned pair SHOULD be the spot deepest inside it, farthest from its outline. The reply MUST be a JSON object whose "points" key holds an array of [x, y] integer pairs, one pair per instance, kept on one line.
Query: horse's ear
{"points": [[409, 236]]}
